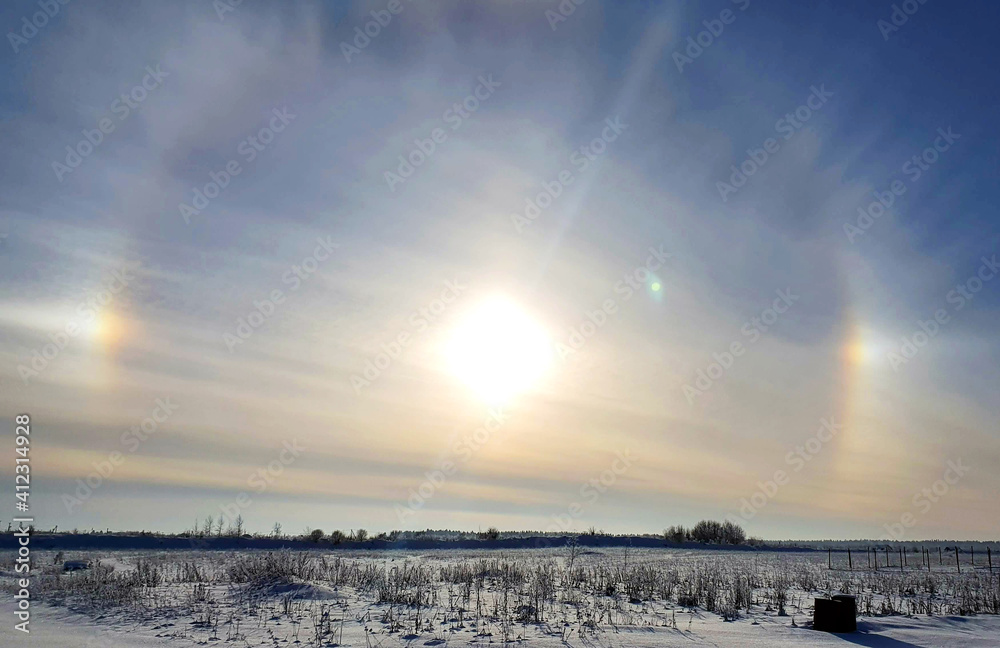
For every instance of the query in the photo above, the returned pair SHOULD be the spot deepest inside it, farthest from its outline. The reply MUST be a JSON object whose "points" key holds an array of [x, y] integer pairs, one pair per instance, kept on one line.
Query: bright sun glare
{"points": [[498, 350]]}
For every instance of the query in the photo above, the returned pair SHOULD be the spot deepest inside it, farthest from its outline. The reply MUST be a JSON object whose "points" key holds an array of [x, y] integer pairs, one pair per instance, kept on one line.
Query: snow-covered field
{"points": [[535, 597]]}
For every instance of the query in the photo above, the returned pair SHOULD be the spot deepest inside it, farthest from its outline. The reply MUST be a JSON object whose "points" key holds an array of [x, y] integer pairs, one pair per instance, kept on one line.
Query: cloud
{"points": [[324, 176]]}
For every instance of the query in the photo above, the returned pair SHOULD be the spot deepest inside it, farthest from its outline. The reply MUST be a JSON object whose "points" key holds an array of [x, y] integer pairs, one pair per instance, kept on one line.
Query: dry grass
{"points": [[494, 593]]}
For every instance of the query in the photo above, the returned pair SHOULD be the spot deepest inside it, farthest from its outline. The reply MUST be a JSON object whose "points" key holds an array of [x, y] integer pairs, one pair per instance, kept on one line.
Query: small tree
{"points": [[276, 531], [360, 535], [573, 544], [315, 535], [336, 537], [733, 533], [707, 531], [675, 534]]}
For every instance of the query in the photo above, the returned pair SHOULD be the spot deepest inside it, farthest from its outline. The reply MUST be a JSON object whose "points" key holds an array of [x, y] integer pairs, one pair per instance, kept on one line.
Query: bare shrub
{"points": [[676, 534]]}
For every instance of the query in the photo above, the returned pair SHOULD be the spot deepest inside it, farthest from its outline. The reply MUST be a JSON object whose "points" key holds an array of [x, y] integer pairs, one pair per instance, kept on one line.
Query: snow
{"points": [[239, 599], [59, 628]]}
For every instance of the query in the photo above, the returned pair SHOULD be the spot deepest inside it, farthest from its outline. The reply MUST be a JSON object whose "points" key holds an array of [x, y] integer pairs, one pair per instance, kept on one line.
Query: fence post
{"points": [[850, 563], [989, 557], [957, 564], [829, 558]]}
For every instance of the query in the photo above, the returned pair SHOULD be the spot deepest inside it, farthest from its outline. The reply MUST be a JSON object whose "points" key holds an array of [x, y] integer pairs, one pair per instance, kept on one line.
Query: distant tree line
{"points": [[706, 532]]}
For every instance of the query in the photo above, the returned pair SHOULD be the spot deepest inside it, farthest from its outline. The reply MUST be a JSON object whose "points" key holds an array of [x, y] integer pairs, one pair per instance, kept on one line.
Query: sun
{"points": [[498, 350], [108, 331]]}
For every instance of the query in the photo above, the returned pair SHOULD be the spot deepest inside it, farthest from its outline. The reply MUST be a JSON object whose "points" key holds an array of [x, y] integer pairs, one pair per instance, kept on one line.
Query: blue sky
{"points": [[360, 260]]}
